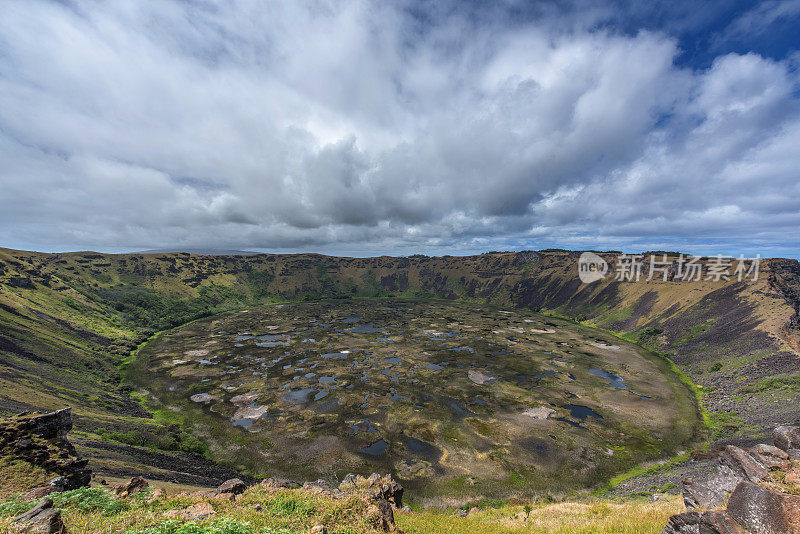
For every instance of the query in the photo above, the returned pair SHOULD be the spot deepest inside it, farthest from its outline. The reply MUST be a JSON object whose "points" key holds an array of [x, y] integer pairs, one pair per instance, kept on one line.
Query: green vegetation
{"points": [[694, 332]]}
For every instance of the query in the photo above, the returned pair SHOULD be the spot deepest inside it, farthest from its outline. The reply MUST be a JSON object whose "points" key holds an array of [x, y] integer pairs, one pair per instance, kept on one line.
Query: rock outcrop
{"points": [[134, 485], [41, 440], [41, 519], [743, 493]]}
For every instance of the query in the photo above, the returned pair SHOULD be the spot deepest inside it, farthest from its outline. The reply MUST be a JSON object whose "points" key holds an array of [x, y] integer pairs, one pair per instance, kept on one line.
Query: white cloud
{"points": [[344, 126]]}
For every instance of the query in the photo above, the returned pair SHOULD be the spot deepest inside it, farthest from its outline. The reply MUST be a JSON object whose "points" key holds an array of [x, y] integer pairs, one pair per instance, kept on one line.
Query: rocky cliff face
{"points": [[41, 440]]}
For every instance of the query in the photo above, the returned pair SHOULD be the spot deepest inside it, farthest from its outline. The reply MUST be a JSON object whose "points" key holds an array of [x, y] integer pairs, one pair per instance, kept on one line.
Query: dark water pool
{"points": [[376, 449], [578, 411], [614, 380]]}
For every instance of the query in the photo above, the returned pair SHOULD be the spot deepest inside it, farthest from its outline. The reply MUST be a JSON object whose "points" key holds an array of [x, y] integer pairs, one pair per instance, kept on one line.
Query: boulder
{"points": [[718, 522], [318, 529], [41, 519], [685, 523], [770, 456], [134, 485], [711, 492], [234, 485], [761, 510], [197, 511], [786, 438]]}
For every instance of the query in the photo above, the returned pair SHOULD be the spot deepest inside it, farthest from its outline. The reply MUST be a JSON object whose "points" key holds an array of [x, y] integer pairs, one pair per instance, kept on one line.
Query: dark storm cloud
{"points": [[358, 127]]}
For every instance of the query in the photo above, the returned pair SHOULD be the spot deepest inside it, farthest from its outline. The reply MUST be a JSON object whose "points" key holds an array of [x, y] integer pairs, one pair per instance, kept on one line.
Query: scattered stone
{"points": [[156, 495], [59, 483], [318, 529], [41, 519]]}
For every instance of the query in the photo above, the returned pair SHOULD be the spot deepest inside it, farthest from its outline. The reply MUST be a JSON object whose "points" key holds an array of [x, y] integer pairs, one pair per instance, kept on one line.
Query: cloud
{"points": [[355, 126], [761, 18]]}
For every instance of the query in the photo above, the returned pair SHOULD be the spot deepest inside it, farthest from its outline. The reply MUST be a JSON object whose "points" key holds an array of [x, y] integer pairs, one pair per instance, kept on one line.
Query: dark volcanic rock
{"points": [[20, 281], [392, 492], [41, 440], [41, 519], [712, 522], [761, 510], [685, 523]]}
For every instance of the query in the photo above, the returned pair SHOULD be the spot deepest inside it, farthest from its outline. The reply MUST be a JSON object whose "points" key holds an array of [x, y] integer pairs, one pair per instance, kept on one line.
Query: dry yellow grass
{"points": [[636, 516]]}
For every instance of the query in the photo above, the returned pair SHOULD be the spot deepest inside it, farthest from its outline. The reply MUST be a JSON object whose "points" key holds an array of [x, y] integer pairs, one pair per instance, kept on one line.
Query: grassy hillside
{"points": [[68, 321]]}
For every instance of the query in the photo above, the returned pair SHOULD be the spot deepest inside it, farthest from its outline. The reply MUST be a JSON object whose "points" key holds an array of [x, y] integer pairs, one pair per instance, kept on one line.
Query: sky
{"points": [[368, 128]]}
